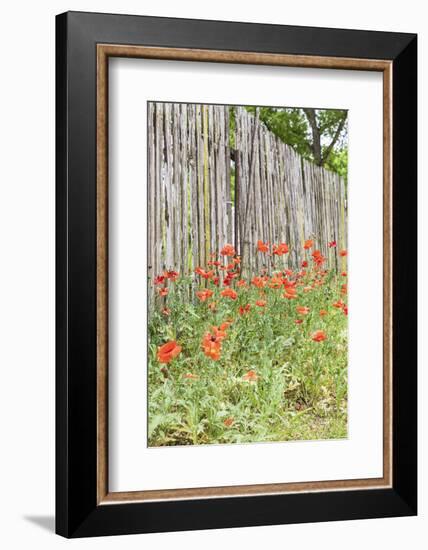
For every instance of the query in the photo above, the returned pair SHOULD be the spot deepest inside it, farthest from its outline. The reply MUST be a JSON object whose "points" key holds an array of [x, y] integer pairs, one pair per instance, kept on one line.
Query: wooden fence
{"points": [[203, 193]]}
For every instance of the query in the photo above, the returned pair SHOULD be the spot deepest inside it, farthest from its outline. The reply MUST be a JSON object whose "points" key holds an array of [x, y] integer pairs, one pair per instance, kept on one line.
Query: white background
{"points": [[27, 275], [134, 81]]}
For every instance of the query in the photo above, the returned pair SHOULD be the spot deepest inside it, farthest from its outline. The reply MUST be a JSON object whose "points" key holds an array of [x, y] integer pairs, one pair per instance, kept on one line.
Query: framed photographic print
{"points": [[236, 274]]}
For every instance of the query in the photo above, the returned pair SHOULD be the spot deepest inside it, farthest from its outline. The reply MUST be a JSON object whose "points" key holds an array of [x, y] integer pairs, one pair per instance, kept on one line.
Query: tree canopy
{"points": [[319, 135]]}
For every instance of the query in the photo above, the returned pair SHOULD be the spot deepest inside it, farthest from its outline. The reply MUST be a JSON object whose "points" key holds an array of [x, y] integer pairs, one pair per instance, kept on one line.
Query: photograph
{"points": [[247, 316], [213, 256]]}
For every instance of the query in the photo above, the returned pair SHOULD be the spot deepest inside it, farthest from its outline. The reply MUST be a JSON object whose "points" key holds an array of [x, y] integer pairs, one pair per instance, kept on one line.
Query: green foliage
{"points": [[328, 121], [292, 127], [301, 386], [338, 162], [232, 127]]}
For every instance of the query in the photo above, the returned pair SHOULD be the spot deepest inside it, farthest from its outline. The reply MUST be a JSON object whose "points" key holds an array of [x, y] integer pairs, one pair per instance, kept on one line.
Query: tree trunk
{"points": [[316, 136]]}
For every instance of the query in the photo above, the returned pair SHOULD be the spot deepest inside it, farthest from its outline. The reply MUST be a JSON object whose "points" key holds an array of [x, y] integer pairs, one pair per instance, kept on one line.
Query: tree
{"points": [[319, 135], [327, 123]]}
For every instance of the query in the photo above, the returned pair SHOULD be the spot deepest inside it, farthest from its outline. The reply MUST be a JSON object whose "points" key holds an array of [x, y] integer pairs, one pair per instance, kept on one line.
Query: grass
{"points": [[264, 378]]}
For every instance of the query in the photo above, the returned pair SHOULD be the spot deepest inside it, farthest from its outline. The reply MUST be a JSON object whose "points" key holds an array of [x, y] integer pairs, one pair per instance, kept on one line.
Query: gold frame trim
{"points": [[104, 51]]}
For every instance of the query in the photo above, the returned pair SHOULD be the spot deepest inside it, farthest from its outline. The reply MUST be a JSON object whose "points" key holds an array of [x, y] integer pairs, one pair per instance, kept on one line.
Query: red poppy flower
{"points": [[203, 273], [216, 281], [211, 346], [168, 351], [228, 421], [344, 274], [343, 253], [227, 250], [229, 293], [323, 312], [344, 289], [318, 257], [319, 336], [332, 244], [159, 280], [232, 275], [302, 310], [172, 275], [308, 244], [163, 291], [262, 247], [258, 282], [339, 304], [275, 282], [203, 295], [298, 321], [345, 310], [244, 309], [290, 293], [166, 311], [250, 376], [219, 332], [280, 249], [213, 336], [212, 350], [304, 263], [261, 303], [241, 283]]}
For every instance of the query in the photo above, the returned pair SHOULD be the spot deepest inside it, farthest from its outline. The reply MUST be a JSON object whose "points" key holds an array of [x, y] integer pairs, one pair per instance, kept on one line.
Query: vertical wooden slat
{"points": [[205, 184], [212, 169], [193, 186], [200, 185], [227, 162], [151, 192], [159, 195], [169, 189], [184, 174], [176, 184]]}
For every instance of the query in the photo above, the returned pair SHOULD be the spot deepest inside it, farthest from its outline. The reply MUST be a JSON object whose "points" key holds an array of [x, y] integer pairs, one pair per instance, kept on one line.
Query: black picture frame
{"points": [[77, 511]]}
